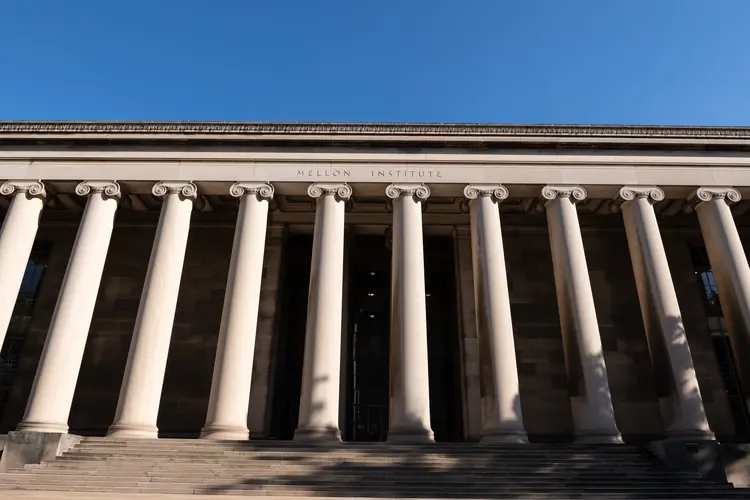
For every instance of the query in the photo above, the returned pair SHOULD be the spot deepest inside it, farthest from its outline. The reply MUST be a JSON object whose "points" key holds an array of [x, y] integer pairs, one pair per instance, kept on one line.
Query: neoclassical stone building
{"points": [[374, 281]]}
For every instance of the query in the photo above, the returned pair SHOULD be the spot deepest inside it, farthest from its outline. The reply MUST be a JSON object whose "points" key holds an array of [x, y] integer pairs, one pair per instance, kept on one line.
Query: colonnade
{"points": [[51, 396]]}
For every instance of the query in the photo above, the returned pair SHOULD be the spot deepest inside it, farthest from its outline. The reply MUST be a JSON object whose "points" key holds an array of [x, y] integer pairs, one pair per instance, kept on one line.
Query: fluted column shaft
{"points": [[730, 269], [501, 401], [677, 386], [590, 397], [138, 405], [16, 241], [233, 366], [409, 376], [51, 395], [319, 398]]}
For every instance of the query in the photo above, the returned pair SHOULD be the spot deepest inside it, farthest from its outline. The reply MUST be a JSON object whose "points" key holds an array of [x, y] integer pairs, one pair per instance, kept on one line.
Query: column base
{"points": [[317, 435], [50, 427], [224, 433], [502, 436], [410, 436], [689, 435], [133, 431], [598, 436]]}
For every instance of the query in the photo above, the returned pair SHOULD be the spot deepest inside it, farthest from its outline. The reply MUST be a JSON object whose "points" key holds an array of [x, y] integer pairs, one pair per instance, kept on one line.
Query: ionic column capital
{"points": [[186, 190], [32, 189], [497, 192], [261, 190], [342, 191], [574, 193], [630, 193], [419, 191], [108, 189], [703, 194]]}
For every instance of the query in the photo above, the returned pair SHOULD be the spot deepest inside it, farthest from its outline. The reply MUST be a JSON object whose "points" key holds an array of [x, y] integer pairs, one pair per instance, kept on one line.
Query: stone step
{"points": [[392, 449], [477, 461], [556, 495], [364, 453], [385, 450], [276, 443], [336, 478], [362, 456], [288, 445], [561, 471], [330, 462], [372, 470], [357, 491], [354, 468]]}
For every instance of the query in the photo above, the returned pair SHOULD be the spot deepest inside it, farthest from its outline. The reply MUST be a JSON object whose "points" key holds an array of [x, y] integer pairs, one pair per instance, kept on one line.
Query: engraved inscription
{"points": [[374, 173], [323, 172], [406, 173]]}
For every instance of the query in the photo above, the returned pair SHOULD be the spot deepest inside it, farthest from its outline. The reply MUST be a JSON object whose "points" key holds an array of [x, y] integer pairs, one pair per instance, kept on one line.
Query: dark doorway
{"points": [[368, 341], [289, 346], [443, 339], [369, 307]]}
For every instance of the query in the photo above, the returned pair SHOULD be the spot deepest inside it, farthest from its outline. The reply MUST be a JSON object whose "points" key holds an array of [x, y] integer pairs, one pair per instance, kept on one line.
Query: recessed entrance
{"points": [[366, 338]]}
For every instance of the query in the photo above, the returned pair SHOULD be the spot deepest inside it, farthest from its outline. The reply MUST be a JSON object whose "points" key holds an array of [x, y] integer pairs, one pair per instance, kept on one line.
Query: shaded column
{"points": [[679, 395], [730, 269], [503, 419], [51, 396], [590, 397], [321, 371], [16, 241], [409, 377], [230, 388], [138, 405]]}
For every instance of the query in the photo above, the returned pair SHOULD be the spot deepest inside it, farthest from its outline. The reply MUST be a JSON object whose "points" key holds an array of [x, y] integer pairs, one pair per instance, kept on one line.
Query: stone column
{"points": [[233, 366], [409, 378], [590, 398], [51, 395], [138, 406], [730, 269], [679, 395], [319, 398], [16, 240], [503, 420]]}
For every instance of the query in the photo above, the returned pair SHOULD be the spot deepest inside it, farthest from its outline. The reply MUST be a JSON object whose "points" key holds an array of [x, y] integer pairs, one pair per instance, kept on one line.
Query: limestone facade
{"points": [[573, 258]]}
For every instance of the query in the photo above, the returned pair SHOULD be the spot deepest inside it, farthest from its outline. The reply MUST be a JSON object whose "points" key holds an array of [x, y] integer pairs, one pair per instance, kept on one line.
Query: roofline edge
{"points": [[379, 129]]}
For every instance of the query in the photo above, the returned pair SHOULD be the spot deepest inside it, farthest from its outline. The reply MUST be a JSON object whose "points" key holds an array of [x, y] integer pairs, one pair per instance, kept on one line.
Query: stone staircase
{"points": [[361, 470]]}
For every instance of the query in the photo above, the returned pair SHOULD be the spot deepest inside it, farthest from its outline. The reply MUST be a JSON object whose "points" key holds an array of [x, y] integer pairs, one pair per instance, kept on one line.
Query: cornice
{"points": [[370, 129]]}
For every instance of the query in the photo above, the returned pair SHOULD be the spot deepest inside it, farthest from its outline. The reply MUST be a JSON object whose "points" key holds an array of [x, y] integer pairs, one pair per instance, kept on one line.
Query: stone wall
{"points": [[544, 389]]}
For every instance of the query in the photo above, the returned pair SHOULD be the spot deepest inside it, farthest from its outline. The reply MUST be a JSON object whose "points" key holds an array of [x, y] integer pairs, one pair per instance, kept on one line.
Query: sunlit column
{"points": [[409, 376], [142, 382], [590, 398], [16, 240], [233, 366], [677, 386], [503, 420], [730, 269], [51, 395], [319, 399]]}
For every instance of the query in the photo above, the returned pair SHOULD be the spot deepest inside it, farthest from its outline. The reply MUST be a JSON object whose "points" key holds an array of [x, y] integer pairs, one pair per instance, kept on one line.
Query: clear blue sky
{"points": [[508, 61]]}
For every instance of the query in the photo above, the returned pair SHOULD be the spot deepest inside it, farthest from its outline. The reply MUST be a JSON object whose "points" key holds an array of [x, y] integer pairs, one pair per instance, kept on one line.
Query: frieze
{"points": [[403, 129], [374, 174]]}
